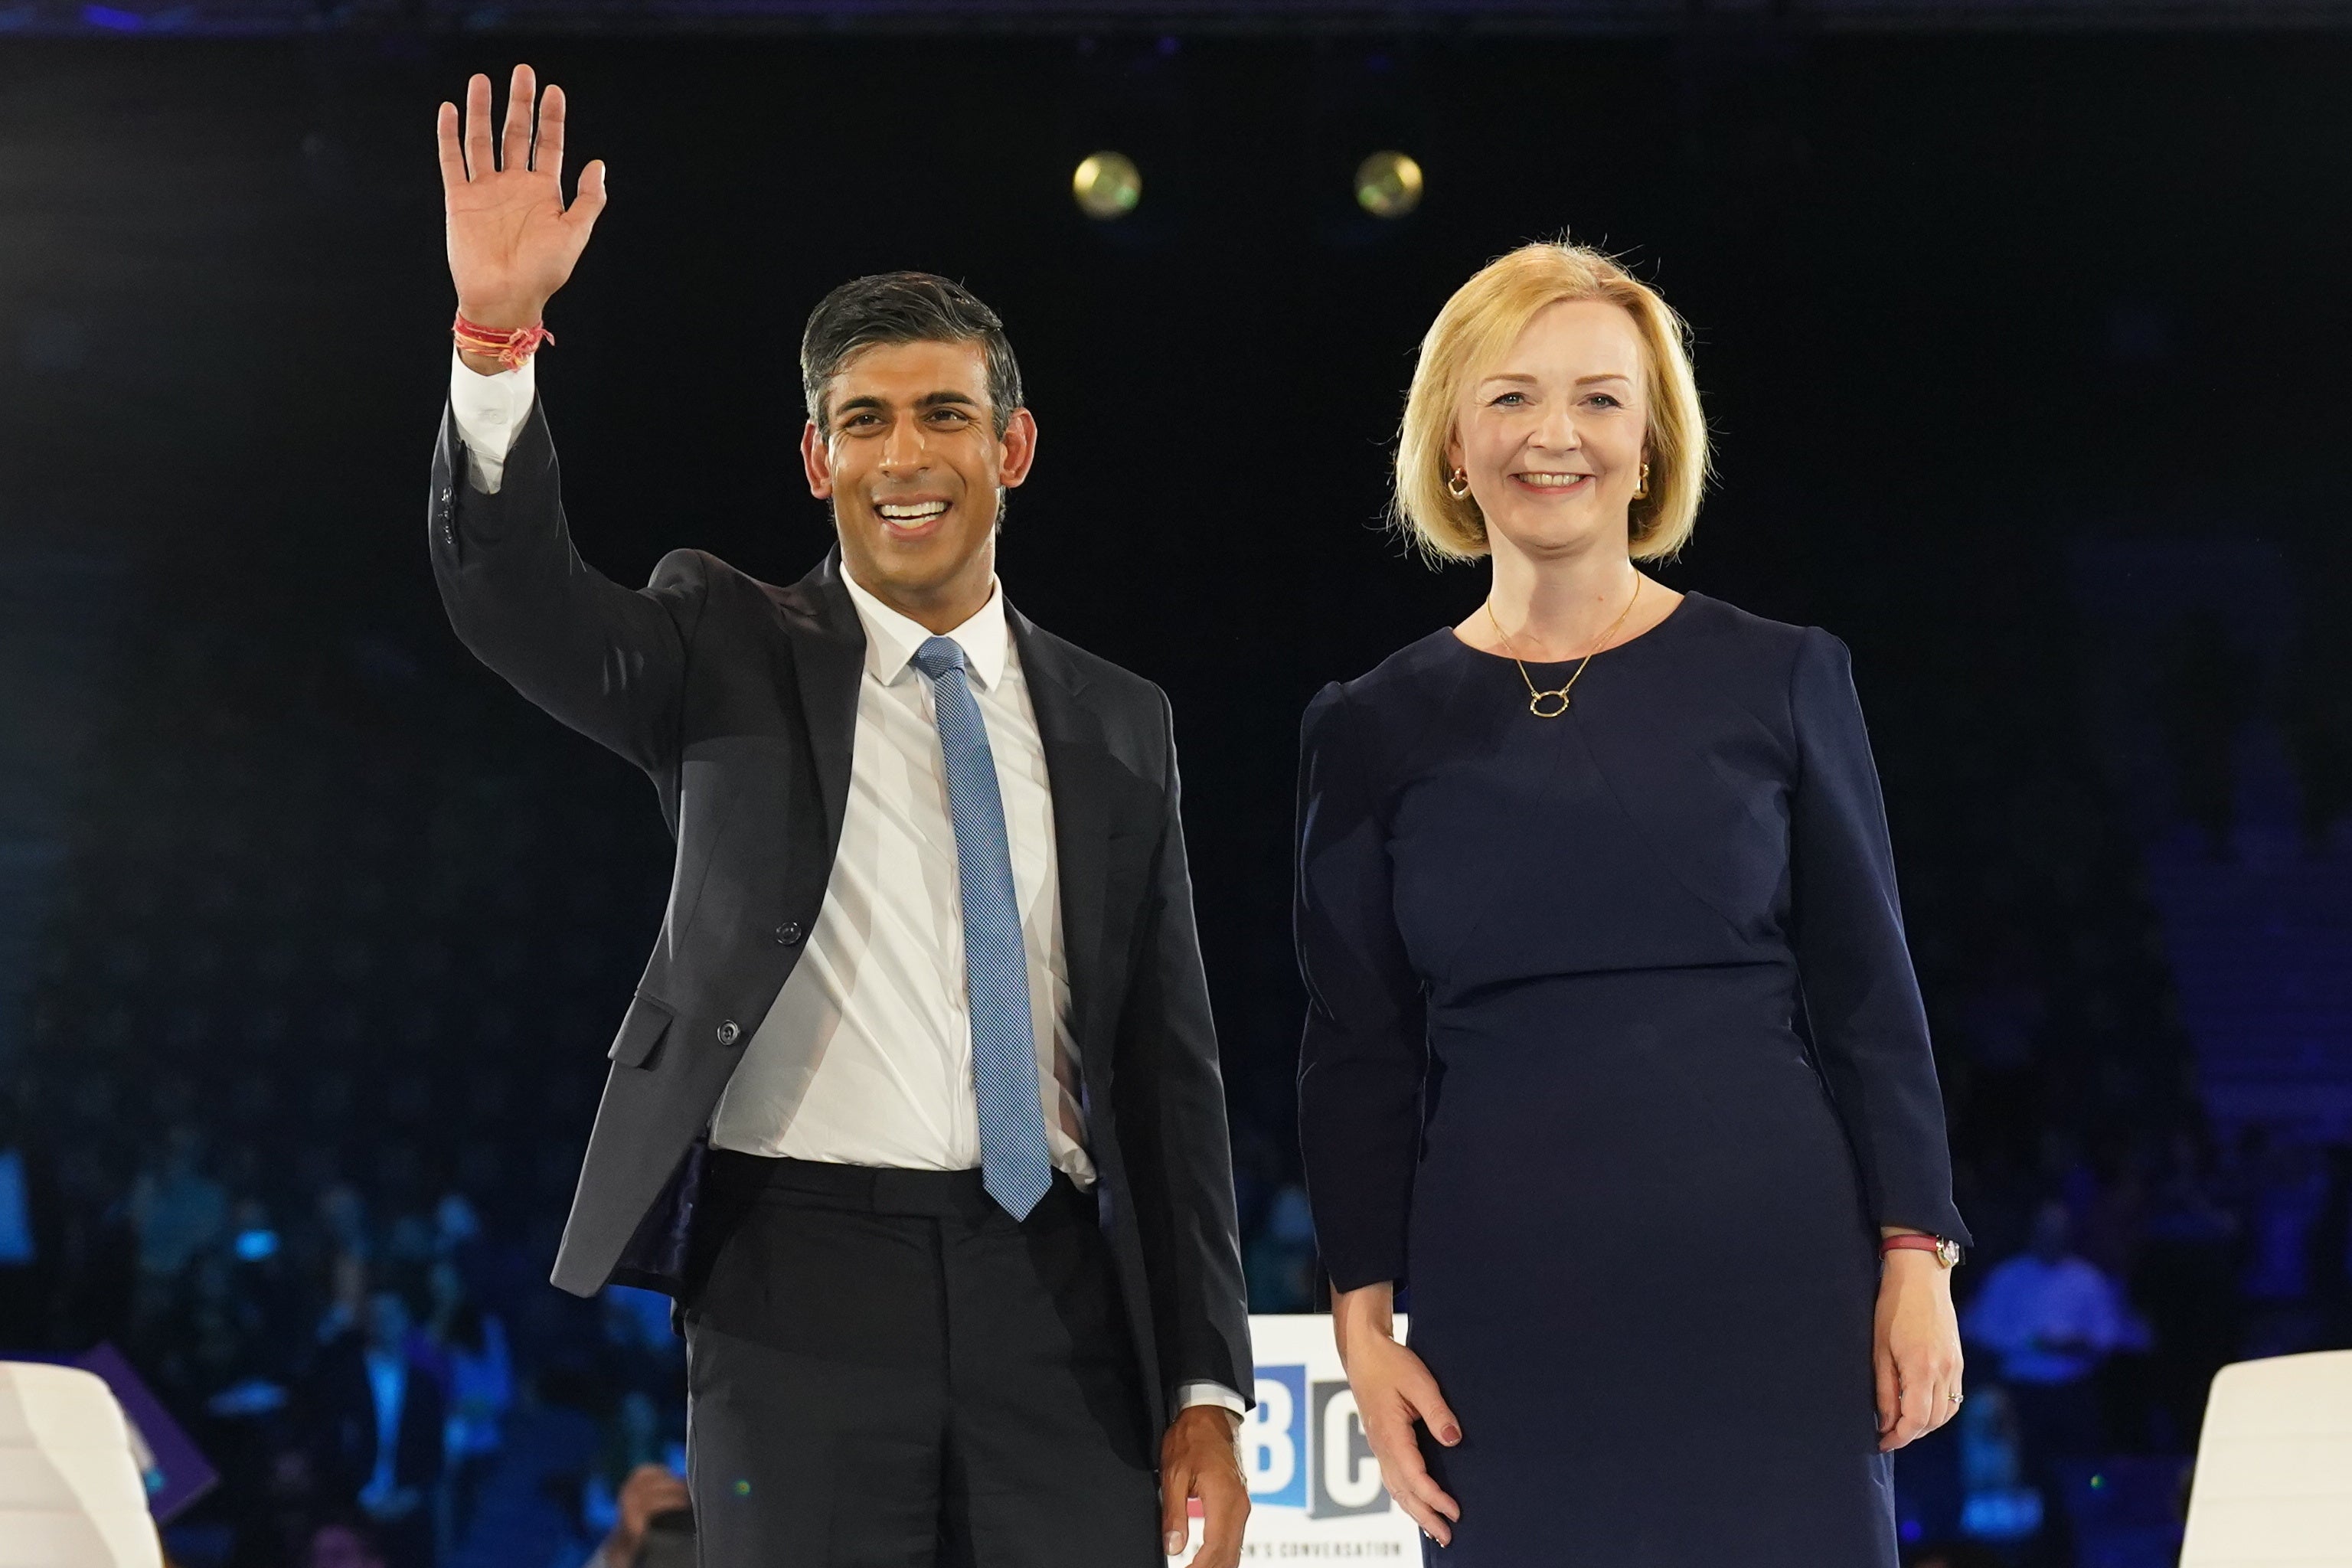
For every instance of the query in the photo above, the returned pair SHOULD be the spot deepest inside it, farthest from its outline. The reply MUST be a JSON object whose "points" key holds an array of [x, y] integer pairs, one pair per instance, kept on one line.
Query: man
{"points": [[382, 1417], [2052, 1318], [651, 1492], [917, 1110]]}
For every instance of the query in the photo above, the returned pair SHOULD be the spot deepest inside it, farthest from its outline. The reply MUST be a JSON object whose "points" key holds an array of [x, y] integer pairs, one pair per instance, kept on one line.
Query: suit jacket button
{"points": [[729, 1034], [788, 933]]}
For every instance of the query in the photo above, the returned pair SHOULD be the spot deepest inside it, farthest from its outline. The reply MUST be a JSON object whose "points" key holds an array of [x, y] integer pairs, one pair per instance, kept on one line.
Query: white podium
{"points": [[2274, 1482], [70, 1492]]}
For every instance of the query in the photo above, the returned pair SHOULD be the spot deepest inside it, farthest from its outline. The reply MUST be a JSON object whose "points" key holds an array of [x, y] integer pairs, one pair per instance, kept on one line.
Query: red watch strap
{"points": [[1914, 1243]]}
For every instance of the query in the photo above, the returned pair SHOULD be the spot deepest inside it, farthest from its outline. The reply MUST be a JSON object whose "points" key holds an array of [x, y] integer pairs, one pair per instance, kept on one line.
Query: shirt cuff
{"points": [[1188, 1394], [489, 410]]}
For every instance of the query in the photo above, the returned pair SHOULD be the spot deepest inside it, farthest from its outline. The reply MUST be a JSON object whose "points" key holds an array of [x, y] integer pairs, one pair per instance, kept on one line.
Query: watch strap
{"points": [[1948, 1252]]}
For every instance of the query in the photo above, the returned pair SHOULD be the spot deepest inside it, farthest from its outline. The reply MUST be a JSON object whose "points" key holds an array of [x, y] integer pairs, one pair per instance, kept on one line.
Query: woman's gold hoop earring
{"points": [[1642, 491], [1458, 485]]}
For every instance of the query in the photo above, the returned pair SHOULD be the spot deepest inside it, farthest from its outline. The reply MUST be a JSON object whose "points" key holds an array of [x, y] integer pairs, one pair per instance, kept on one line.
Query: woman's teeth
{"points": [[1553, 481]]}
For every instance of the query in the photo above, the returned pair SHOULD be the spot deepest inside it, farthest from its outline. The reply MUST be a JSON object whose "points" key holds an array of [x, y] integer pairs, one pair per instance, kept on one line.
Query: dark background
{"points": [[1976, 317]]}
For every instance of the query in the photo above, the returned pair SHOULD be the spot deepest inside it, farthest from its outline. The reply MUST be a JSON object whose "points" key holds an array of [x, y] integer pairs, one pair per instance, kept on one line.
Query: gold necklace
{"points": [[1536, 699]]}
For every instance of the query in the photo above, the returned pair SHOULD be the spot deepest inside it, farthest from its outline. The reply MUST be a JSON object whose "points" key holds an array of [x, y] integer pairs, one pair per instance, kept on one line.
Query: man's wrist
{"points": [[507, 315], [1232, 1422], [503, 315]]}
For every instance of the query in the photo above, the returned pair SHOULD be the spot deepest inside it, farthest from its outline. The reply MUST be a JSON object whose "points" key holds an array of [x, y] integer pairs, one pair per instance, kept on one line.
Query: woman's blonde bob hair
{"points": [[1474, 330]]}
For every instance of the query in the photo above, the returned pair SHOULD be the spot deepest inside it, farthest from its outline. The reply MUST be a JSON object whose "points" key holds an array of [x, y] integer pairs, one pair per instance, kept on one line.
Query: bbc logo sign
{"points": [[1304, 1447]]}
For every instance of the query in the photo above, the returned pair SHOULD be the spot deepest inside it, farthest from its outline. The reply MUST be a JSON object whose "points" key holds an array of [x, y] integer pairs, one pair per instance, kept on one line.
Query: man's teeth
{"points": [[1554, 480], [920, 511]]}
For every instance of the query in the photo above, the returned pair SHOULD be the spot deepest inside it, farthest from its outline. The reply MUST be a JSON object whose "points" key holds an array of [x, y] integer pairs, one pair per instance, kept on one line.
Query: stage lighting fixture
{"points": [[1106, 185], [1388, 184]]}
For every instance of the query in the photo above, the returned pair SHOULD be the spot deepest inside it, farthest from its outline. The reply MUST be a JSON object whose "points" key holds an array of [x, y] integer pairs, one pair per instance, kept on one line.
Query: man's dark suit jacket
{"points": [[739, 700]]}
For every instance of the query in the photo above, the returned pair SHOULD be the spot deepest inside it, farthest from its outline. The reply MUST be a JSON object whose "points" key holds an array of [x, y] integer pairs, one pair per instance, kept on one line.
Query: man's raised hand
{"points": [[512, 242]]}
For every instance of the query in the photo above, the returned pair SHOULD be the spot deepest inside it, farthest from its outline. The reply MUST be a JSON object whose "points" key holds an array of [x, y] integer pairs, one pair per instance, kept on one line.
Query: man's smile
{"points": [[911, 516]]}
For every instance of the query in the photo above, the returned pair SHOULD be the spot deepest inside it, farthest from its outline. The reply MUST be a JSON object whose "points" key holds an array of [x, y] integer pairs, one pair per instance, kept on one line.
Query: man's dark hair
{"points": [[904, 308]]}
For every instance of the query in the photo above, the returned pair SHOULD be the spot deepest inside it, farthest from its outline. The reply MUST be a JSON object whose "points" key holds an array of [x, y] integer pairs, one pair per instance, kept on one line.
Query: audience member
{"points": [[345, 1543], [468, 1348], [639, 1433], [2286, 1188], [176, 1212], [650, 1492], [383, 1423], [2050, 1318]]}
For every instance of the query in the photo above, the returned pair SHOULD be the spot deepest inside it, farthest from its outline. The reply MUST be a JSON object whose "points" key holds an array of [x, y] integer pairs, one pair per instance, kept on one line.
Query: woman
{"points": [[1613, 1051]]}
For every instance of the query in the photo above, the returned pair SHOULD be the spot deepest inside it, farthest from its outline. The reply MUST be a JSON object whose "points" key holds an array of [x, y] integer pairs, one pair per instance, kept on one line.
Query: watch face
{"points": [[1947, 1251]]}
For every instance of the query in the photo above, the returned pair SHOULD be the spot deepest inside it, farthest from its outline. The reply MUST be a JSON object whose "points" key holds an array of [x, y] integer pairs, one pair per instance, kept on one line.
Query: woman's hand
{"points": [[1394, 1390], [1916, 1348]]}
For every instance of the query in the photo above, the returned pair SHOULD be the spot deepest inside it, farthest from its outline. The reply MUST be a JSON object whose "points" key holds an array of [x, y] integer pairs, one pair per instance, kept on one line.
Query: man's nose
{"points": [[904, 447]]}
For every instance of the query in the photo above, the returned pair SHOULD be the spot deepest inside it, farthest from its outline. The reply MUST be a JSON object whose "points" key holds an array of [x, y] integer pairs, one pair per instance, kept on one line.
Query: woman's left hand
{"points": [[1916, 1348]]}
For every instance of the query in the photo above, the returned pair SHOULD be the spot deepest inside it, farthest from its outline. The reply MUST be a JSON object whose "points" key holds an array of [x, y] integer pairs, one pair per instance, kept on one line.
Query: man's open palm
{"points": [[512, 242]]}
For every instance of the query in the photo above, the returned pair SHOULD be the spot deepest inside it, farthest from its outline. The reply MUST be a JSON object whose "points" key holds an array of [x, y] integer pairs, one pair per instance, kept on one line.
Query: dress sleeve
{"points": [[1365, 1050], [1861, 997]]}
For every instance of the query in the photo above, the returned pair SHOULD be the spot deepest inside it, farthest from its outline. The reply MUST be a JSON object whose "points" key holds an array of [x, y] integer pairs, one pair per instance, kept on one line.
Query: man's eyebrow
{"points": [[940, 399]]}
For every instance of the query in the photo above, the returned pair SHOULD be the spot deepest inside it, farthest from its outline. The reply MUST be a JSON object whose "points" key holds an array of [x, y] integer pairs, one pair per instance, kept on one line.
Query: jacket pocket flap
{"points": [[641, 1031]]}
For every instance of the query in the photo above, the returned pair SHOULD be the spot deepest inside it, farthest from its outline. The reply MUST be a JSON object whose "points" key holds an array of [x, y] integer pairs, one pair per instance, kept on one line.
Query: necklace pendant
{"points": [[1538, 701]]}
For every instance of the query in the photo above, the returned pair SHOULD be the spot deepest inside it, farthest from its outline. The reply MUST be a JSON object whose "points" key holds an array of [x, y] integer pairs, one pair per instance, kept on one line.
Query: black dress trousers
{"points": [[887, 1370]]}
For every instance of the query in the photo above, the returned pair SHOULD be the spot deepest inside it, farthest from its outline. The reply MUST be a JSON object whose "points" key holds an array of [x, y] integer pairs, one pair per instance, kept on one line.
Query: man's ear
{"points": [[817, 461], [1019, 449]]}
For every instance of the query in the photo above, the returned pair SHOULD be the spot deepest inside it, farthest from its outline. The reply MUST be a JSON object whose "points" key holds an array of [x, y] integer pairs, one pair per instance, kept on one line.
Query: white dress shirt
{"points": [[865, 1058]]}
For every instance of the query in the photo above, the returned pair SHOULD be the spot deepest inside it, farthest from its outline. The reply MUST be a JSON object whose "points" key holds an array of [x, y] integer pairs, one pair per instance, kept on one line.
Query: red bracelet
{"points": [[1948, 1253], [509, 349]]}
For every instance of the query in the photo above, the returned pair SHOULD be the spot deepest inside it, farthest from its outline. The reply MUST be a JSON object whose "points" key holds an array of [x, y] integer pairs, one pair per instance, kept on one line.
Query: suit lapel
{"points": [[1074, 759], [828, 661]]}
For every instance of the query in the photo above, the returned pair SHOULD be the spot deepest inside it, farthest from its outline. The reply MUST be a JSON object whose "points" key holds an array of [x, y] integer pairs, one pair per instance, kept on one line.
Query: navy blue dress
{"points": [[1615, 1060]]}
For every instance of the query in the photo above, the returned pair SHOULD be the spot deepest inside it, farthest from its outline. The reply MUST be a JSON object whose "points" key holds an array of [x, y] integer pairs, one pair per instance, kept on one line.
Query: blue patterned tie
{"points": [[1015, 1165]]}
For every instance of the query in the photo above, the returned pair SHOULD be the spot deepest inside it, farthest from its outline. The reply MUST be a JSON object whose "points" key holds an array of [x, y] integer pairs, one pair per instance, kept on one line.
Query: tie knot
{"points": [[938, 656]]}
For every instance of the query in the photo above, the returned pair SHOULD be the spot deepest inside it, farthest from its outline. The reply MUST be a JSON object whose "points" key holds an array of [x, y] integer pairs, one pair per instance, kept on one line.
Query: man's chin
{"points": [[919, 568]]}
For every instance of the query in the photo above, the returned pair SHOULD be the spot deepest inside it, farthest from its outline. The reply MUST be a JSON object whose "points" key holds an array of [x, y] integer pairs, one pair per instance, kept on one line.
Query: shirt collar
{"points": [[891, 638]]}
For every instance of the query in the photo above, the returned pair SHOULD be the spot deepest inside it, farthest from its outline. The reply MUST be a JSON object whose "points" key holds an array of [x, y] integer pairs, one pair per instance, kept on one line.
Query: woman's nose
{"points": [[1557, 432]]}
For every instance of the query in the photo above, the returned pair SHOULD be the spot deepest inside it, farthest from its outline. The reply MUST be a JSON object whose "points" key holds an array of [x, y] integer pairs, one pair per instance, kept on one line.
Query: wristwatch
{"points": [[1946, 1251]]}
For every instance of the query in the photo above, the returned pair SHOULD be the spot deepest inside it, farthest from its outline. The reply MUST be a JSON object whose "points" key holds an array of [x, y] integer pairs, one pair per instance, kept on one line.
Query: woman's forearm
{"points": [[1367, 1310]]}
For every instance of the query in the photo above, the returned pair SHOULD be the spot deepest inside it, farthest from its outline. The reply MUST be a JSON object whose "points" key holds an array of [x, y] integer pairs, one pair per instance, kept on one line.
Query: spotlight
{"points": [[1106, 185], [1388, 184]]}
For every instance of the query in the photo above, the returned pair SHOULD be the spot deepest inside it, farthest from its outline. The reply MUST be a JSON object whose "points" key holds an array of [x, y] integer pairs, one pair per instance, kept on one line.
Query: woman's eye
{"points": [[1510, 400], [1605, 400]]}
